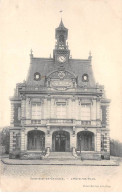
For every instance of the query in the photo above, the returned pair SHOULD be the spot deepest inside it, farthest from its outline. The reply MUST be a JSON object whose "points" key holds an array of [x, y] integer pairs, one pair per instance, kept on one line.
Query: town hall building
{"points": [[60, 108]]}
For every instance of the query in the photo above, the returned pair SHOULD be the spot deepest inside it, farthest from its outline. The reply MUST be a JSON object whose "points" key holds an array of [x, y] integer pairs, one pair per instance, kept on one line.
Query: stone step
{"points": [[61, 155], [60, 159]]}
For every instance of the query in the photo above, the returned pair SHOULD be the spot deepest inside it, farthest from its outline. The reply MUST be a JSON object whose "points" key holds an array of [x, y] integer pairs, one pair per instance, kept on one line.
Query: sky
{"points": [[94, 25]]}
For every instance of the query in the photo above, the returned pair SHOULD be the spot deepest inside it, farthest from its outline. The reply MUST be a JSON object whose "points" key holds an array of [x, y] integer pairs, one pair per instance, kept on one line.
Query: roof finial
{"points": [[90, 53], [61, 13], [31, 53], [90, 56]]}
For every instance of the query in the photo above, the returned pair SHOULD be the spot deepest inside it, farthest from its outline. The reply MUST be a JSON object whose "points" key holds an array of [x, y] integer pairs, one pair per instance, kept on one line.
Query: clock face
{"points": [[61, 59]]}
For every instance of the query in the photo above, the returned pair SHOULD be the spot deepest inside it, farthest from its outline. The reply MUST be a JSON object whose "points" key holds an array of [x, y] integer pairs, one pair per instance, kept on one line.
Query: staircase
{"points": [[61, 156]]}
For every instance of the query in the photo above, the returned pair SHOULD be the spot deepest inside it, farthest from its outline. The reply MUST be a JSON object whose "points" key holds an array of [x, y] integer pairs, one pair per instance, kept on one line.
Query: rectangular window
{"points": [[19, 113], [102, 142], [36, 111], [18, 142], [85, 112], [104, 116], [61, 110]]}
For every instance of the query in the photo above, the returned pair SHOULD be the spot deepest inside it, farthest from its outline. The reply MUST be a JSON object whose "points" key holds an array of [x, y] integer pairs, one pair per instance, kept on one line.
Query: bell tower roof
{"points": [[61, 30], [61, 35], [61, 26]]}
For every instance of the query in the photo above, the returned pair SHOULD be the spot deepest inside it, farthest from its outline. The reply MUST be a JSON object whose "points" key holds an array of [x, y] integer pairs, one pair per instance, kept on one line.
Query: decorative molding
{"points": [[23, 96]]}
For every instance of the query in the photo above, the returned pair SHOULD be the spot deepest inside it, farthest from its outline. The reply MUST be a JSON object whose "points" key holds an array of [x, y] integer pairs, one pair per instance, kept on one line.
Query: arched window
{"points": [[85, 141], [61, 38], [36, 140]]}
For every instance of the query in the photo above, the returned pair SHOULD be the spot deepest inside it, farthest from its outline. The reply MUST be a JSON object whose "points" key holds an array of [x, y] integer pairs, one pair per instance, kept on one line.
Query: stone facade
{"points": [[60, 107]]}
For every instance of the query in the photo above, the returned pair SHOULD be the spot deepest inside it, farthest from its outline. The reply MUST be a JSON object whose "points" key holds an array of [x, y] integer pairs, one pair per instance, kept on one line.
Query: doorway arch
{"points": [[61, 141], [85, 141], [36, 140]]}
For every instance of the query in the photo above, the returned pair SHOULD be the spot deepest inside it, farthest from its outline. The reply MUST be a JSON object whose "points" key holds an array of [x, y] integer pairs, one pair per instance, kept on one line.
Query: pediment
{"points": [[61, 75], [61, 80]]}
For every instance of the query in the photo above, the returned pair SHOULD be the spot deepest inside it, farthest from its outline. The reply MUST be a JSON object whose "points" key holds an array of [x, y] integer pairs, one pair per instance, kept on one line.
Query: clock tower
{"points": [[61, 52]]}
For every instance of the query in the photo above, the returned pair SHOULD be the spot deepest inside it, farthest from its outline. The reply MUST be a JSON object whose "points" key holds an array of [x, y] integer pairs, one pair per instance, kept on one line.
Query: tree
{"points": [[5, 138], [115, 148]]}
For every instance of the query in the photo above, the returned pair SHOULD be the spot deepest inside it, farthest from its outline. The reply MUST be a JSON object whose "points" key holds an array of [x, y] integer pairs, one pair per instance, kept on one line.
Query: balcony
{"points": [[34, 122], [60, 121], [39, 89], [70, 122], [83, 123], [52, 121]]}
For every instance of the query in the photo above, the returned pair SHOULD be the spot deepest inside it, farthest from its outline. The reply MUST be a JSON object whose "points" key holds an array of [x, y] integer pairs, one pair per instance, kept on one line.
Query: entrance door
{"points": [[60, 143]]}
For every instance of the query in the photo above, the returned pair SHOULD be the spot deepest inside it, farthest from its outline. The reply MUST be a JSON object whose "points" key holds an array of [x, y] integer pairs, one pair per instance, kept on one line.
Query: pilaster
{"points": [[93, 110], [73, 139], [28, 108], [98, 114], [48, 138], [98, 141], [26, 141], [12, 114], [11, 142], [23, 107], [107, 115], [22, 140]]}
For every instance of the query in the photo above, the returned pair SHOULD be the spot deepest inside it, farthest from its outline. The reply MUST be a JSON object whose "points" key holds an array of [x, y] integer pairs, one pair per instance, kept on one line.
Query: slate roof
{"points": [[46, 65], [61, 26]]}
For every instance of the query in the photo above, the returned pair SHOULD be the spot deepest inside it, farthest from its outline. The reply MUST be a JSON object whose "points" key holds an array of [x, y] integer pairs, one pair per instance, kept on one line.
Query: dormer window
{"points": [[37, 76], [85, 78]]}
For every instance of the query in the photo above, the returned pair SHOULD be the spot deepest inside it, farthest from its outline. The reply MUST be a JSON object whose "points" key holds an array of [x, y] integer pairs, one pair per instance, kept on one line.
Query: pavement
{"points": [[75, 162]]}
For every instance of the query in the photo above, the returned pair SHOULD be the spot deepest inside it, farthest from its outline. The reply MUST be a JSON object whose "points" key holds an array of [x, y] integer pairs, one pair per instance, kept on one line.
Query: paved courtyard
{"points": [[60, 178]]}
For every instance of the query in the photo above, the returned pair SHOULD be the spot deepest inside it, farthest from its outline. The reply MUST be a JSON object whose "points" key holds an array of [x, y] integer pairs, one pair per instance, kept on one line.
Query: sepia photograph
{"points": [[61, 96]]}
